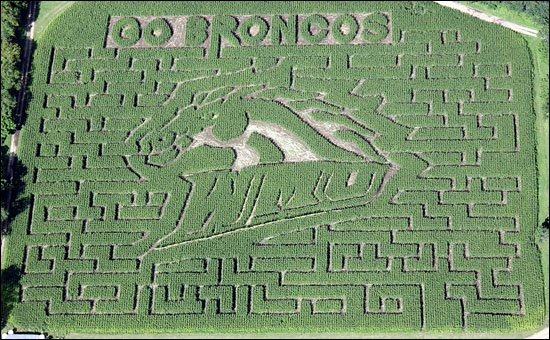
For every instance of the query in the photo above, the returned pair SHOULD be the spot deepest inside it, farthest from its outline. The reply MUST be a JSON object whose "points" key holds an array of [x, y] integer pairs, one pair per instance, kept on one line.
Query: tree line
{"points": [[12, 27]]}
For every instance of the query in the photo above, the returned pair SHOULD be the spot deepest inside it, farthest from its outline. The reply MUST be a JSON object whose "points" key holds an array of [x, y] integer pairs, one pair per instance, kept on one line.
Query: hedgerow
{"points": [[11, 19]]}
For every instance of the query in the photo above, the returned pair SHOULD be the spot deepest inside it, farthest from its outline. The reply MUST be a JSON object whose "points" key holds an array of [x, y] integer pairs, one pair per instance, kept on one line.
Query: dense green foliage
{"points": [[10, 278], [278, 176], [11, 51], [538, 10], [4, 183], [544, 229], [266, 148], [10, 82]]}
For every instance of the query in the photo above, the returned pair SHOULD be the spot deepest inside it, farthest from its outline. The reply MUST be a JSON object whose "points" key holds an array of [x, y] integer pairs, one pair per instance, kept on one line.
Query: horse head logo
{"points": [[293, 153]]}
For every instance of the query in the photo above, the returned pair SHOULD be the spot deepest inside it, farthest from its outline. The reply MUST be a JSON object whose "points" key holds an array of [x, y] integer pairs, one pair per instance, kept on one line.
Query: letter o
{"points": [[253, 30], [126, 32], [306, 25], [338, 31], [157, 32]]}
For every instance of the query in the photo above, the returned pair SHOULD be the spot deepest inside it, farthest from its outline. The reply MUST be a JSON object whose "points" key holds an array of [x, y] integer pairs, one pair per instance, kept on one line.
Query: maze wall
{"points": [[386, 184]]}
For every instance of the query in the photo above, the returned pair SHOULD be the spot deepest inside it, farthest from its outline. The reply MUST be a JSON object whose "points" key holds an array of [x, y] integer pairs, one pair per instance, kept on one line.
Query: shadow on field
{"points": [[19, 201], [10, 278]]}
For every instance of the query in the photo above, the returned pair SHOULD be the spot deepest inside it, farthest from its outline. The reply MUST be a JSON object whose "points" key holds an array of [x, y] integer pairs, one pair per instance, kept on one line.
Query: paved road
{"points": [[489, 18]]}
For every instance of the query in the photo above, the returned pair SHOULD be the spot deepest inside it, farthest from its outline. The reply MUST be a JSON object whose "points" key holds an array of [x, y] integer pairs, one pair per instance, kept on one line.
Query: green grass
{"points": [[543, 246], [134, 228], [541, 68], [305, 335], [504, 13], [542, 131], [47, 12]]}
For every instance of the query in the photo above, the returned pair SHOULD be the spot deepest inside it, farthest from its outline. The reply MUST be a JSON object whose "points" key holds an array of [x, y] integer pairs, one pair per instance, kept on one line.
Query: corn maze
{"points": [[278, 167]]}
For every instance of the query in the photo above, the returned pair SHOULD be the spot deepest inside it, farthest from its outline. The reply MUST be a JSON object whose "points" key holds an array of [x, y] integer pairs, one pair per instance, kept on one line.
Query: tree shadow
{"points": [[20, 201], [10, 278], [4, 184], [543, 231], [14, 200], [4, 160]]}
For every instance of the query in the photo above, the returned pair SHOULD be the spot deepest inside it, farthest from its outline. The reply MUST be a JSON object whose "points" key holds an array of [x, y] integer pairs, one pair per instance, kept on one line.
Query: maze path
{"points": [[378, 182]]}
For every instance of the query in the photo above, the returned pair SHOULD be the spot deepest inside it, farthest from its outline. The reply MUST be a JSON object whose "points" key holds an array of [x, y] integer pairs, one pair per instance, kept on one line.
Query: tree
{"points": [[544, 229]]}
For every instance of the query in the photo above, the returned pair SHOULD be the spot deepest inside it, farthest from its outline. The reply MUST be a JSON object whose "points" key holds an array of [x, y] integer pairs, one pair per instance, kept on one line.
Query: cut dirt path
{"points": [[540, 335], [489, 18]]}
